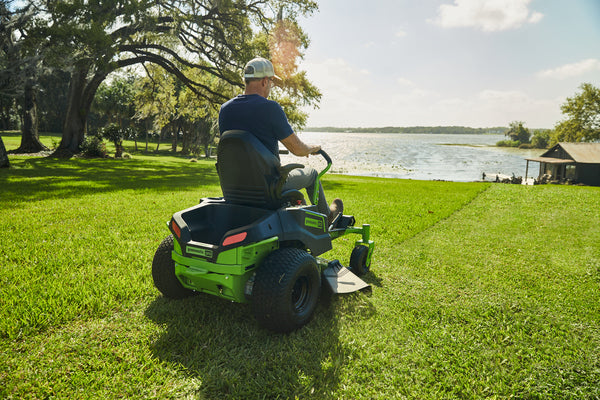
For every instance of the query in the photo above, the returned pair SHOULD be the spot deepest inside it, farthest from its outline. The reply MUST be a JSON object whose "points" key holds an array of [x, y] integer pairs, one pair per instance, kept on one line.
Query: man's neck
{"points": [[255, 87]]}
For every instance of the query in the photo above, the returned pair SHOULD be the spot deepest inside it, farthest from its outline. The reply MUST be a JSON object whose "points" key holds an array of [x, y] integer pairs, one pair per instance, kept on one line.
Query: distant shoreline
{"points": [[414, 129]]}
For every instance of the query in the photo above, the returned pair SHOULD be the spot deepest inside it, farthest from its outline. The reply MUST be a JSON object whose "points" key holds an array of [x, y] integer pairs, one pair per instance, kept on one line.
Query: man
{"points": [[265, 119]]}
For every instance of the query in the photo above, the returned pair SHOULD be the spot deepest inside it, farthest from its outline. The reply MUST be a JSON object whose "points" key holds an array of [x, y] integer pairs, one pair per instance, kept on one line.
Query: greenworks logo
{"points": [[313, 222], [199, 252]]}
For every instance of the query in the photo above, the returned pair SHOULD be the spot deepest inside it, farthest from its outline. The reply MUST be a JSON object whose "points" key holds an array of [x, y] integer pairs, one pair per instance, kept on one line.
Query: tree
{"points": [[115, 134], [114, 101], [583, 117], [113, 34], [7, 113], [52, 100], [201, 115], [20, 70], [4, 162], [176, 109], [540, 139], [518, 132], [156, 100], [287, 43]]}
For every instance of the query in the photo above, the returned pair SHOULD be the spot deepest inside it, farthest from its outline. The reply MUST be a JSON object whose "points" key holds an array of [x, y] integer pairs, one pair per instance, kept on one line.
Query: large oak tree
{"points": [[20, 67], [94, 38]]}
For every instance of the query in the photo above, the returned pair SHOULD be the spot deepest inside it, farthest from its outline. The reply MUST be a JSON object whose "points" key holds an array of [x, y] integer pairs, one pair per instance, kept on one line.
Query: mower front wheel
{"points": [[163, 272], [359, 260], [286, 290]]}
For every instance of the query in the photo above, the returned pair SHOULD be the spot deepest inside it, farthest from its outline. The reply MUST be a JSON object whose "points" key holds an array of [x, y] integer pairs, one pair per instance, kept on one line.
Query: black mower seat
{"points": [[250, 174]]}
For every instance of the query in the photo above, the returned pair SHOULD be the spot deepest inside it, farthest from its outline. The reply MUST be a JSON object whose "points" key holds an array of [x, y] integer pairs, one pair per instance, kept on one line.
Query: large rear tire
{"points": [[163, 272], [286, 290]]}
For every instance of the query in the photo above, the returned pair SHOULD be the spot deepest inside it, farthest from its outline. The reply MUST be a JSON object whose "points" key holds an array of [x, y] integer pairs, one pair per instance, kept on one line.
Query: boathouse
{"points": [[570, 162]]}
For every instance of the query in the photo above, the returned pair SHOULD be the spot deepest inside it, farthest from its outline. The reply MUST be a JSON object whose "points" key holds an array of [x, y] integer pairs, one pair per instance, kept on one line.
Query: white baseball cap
{"points": [[259, 68]]}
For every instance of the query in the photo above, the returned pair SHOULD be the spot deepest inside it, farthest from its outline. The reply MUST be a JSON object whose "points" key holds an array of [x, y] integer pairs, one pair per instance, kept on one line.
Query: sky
{"points": [[476, 63]]}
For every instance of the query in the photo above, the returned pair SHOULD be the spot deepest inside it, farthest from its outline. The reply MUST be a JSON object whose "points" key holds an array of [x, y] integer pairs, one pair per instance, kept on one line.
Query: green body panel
{"points": [[227, 276]]}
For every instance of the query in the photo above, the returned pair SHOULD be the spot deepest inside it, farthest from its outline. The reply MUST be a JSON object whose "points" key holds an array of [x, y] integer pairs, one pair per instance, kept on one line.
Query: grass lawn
{"points": [[479, 291]]}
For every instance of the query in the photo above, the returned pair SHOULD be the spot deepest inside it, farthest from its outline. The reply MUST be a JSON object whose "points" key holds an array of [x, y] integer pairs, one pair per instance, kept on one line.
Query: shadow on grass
{"points": [[219, 344], [50, 178]]}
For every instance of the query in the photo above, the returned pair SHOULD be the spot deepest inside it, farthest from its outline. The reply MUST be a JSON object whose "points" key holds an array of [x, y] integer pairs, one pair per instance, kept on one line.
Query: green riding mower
{"points": [[257, 244]]}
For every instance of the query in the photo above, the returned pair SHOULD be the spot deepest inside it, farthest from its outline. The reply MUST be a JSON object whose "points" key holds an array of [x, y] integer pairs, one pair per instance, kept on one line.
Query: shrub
{"points": [[115, 134], [508, 143], [94, 147]]}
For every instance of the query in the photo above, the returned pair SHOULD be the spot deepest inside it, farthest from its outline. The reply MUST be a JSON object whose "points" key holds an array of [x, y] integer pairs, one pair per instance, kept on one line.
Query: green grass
{"points": [[479, 291]]}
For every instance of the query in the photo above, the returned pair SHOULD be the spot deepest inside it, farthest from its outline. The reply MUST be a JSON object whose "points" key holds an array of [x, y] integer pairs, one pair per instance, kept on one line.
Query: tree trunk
{"points": [[74, 127], [186, 141], [118, 149], [176, 131], [6, 110], [30, 139], [81, 95], [4, 163], [160, 136]]}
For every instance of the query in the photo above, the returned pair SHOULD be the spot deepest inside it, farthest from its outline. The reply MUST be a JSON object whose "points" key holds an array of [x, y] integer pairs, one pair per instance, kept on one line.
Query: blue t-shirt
{"points": [[262, 117]]}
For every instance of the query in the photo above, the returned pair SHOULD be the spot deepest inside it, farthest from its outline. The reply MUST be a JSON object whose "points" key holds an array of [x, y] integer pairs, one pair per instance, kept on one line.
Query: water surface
{"points": [[448, 157]]}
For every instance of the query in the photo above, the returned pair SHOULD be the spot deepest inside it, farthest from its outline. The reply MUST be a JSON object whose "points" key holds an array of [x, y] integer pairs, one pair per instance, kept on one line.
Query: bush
{"points": [[508, 143], [541, 139], [94, 147], [115, 134]]}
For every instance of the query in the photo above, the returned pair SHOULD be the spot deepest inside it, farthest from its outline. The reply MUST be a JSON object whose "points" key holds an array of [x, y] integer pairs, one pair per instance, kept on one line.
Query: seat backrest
{"points": [[248, 171]]}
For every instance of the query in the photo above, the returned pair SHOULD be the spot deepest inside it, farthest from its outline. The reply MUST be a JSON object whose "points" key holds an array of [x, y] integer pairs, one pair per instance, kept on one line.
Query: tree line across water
{"points": [[414, 129]]}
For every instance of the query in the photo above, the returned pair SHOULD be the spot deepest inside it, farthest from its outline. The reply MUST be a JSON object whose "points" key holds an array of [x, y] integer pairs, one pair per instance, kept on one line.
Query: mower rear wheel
{"points": [[163, 272], [359, 258], [286, 290]]}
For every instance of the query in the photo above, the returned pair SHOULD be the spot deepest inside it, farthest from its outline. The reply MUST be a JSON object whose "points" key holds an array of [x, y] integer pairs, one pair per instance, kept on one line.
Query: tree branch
{"points": [[168, 66]]}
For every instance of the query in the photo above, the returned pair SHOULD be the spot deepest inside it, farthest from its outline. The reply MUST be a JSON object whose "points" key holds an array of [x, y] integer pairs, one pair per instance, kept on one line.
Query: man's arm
{"points": [[298, 147]]}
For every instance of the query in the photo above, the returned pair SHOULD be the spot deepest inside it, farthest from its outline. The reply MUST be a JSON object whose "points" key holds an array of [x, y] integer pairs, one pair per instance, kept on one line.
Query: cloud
{"points": [[343, 87], [334, 75], [405, 82], [487, 15], [401, 33], [571, 70], [354, 97], [503, 96]]}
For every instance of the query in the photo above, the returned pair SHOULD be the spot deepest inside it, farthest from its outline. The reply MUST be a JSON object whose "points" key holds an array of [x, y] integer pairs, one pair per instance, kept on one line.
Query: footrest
{"points": [[342, 222], [341, 280]]}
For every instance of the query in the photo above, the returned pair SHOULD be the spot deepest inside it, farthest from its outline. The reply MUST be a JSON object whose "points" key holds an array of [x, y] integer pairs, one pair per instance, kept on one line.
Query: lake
{"points": [[460, 158]]}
